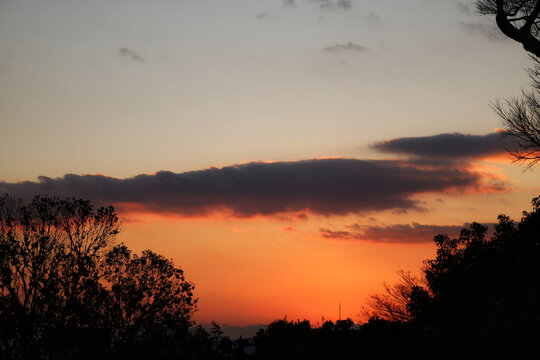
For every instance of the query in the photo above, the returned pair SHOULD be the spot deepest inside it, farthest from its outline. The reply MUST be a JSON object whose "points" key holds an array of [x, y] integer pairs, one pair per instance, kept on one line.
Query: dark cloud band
{"points": [[325, 186], [450, 146]]}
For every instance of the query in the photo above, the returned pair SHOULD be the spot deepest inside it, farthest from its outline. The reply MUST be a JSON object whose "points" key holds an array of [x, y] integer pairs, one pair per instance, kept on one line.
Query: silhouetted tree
{"points": [[392, 305], [484, 291], [208, 344], [520, 118], [520, 115], [517, 19], [479, 294], [150, 301], [284, 339], [49, 255], [66, 288]]}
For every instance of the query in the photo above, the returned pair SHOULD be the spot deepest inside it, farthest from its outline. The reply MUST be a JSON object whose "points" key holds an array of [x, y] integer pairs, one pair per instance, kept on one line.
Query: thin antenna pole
{"points": [[340, 310]]}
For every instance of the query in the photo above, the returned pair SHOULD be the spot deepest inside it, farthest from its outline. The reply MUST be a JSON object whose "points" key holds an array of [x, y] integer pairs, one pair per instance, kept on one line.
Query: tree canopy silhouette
{"points": [[477, 290], [66, 284], [489, 284]]}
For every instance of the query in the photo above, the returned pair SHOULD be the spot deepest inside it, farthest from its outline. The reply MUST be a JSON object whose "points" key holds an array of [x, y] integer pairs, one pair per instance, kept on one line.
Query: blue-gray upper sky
{"points": [[129, 87]]}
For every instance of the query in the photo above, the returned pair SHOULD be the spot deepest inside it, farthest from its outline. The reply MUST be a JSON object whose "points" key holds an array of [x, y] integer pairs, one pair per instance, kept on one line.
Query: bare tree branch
{"points": [[392, 304], [520, 116], [517, 19]]}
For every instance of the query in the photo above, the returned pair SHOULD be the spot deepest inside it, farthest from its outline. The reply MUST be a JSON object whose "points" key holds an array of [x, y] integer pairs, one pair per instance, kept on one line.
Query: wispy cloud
{"points": [[289, 3], [346, 47], [413, 233], [373, 19], [130, 54], [489, 31], [323, 4], [464, 8]]}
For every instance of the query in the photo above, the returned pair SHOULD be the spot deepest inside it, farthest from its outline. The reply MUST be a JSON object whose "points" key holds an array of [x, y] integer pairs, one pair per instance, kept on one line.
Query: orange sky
{"points": [[251, 272]]}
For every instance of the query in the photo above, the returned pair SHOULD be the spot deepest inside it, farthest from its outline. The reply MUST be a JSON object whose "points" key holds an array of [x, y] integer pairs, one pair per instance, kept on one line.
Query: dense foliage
{"points": [[489, 285], [66, 287]]}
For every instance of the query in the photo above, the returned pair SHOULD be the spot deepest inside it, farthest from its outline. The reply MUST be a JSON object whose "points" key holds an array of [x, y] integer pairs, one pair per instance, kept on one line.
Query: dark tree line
{"points": [[480, 290]]}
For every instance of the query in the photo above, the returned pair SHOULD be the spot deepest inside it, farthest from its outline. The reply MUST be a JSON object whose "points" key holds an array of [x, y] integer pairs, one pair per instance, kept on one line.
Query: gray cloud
{"points": [[489, 31], [323, 4], [346, 47], [334, 5], [373, 19], [326, 186], [448, 146], [289, 3], [464, 8], [414, 233], [130, 54]]}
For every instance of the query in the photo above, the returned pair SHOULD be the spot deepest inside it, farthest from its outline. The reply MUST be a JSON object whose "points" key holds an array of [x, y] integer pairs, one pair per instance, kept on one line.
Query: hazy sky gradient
{"points": [[213, 83], [132, 88]]}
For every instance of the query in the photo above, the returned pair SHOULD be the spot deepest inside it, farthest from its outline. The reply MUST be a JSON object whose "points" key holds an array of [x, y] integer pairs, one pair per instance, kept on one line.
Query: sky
{"points": [[289, 156]]}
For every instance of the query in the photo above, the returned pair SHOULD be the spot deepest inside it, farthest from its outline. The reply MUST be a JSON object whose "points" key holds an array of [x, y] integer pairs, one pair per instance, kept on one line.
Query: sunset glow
{"points": [[288, 158]]}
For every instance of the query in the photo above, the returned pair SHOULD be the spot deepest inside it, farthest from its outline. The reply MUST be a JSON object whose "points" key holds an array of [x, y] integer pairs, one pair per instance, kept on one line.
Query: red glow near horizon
{"points": [[258, 271]]}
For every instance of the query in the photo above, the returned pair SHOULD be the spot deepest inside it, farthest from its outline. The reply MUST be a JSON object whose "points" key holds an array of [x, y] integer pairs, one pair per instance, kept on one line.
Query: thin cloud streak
{"points": [[335, 5], [413, 233], [323, 4], [346, 47], [489, 31], [321, 186], [464, 8]]}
